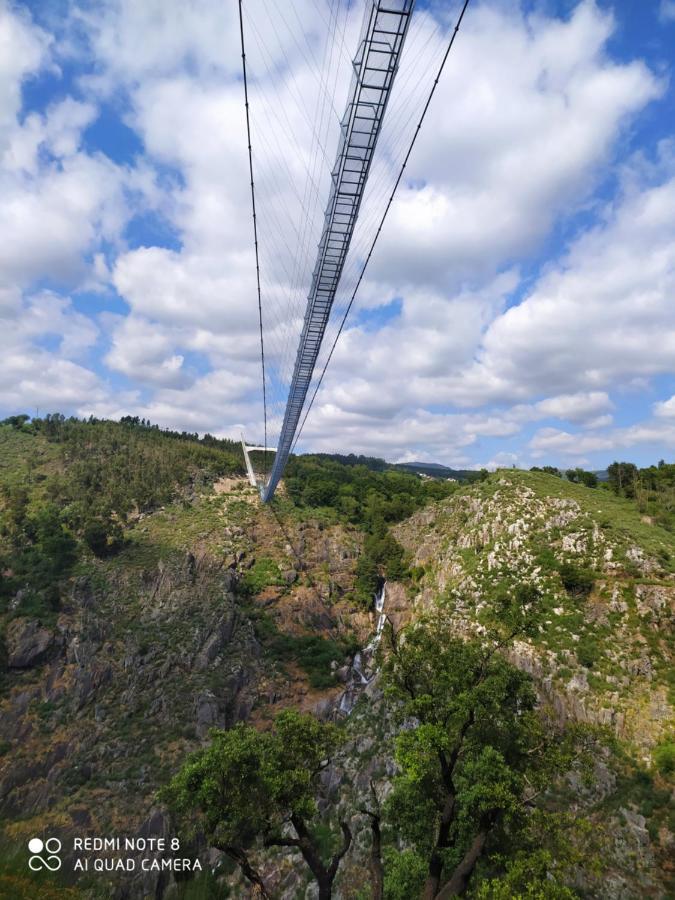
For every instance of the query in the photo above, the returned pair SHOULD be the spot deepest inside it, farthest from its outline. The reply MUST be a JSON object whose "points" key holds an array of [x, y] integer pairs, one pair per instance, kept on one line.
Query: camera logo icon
{"points": [[51, 847]]}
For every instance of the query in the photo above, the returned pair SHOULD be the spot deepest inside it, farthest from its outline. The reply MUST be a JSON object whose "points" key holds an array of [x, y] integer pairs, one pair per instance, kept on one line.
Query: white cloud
{"points": [[23, 50], [41, 380], [505, 154], [145, 353], [665, 409], [667, 10], [605, 315], [576, 407], [554, 443], [509, 148]]}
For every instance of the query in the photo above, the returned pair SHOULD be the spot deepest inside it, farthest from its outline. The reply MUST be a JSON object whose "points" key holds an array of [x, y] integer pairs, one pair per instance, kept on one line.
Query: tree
{"points": [[622, 478], [474, 754], [103, 536], [590, 479], [251, 789]]}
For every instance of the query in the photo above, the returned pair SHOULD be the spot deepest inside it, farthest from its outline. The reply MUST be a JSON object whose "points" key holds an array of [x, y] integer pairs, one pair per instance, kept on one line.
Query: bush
{"points": [[587, 652], [263, 573], [577, 582], [103, 537], [664, 758], [313, 653]]}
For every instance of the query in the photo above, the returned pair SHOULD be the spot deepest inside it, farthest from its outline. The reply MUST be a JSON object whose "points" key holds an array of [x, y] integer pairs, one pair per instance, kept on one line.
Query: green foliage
{"points": [[579, 476], [244, 787], [587, 651], [96, 475], [312, 652], [526, 877], [360, 494], [664, 758], [405, 872], [204, 886], [39, 551], [103, 536], [263, 573], [549, 470], [369, 498], [652, 488], [17, 882], [474, 747], [622, 477], [577, 582]]}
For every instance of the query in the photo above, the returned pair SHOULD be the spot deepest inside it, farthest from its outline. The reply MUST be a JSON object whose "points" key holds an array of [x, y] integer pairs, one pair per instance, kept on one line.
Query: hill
{"points": [[149, 597], [375, 464], [436, 470]]}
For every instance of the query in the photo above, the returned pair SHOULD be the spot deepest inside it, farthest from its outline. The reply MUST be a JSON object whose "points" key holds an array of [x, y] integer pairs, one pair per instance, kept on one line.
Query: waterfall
{"points": [[381, 617], [358, 678]]}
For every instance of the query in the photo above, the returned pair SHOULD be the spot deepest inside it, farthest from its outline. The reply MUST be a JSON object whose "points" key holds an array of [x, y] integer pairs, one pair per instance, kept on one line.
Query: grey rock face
{"points": [[28, 643]]}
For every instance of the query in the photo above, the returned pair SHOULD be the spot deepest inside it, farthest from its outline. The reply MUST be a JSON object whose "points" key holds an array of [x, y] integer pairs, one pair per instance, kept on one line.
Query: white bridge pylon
{"points": [[248, 448]]}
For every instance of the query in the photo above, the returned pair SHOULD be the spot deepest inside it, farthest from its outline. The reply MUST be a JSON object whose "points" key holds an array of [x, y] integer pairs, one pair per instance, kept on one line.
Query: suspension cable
{"points": [[384, 216], [255, 231]]}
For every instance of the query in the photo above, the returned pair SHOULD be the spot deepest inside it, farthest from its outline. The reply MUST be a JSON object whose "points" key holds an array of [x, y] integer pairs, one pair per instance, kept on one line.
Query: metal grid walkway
{"points": [[382, 37]]}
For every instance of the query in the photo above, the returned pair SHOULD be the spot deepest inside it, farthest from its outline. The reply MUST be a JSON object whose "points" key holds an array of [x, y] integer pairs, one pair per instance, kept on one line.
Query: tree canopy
{"points": [[249, 787]]}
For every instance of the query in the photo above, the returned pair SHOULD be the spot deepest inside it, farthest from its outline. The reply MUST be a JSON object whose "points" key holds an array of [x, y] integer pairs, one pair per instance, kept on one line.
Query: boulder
{"points": [[28, 643]]}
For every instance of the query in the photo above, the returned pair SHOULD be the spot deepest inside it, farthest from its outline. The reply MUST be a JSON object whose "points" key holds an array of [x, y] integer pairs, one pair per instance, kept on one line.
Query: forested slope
{"points": [[148, 597]]}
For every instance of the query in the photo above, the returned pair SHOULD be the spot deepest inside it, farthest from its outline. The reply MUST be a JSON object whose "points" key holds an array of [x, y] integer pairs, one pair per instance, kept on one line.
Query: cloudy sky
{"points": [[519, 307]]}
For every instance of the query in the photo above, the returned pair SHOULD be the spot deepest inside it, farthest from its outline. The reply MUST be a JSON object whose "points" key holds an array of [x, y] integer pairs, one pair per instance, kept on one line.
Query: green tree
{"points": [[622, 478], [590, 479], [475, 753], [251, 789]]}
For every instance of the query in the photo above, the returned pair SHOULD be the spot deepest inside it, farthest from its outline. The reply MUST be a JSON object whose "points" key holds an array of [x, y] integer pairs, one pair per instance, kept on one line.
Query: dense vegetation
{"points": [[476, 762], [371, 499], [77, 486]]}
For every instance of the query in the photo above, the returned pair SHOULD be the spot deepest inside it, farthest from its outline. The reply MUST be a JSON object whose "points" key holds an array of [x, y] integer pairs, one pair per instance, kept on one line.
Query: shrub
{"points": [[263, 573], [664, 758], [587, 652], [577, 582], [103, 536]]}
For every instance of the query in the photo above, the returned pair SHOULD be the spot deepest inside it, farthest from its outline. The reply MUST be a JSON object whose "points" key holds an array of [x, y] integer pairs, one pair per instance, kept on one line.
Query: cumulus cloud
{"points": [[458, 346], [605, 315], [512, 146], [665, 409], [548, 441], [24, 49]]}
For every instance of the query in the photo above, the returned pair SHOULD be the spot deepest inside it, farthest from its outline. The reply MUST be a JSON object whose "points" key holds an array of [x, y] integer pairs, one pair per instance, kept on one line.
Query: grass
{"points": [[615, 514]]}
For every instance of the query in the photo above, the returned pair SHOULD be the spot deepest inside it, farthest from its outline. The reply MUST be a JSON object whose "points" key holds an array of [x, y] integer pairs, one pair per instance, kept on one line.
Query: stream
{"points": [[360, 671]]}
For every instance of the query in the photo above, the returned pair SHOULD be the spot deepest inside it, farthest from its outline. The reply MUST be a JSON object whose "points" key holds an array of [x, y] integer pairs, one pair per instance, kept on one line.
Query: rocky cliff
{"points": [[219, 610]]}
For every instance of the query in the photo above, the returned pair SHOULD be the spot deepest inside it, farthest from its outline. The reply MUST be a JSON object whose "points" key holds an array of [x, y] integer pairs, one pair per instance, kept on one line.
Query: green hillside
{"points": [[148, 597]]}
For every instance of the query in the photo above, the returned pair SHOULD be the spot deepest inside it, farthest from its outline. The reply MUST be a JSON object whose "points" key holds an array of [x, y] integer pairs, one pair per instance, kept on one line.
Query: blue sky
{"points": [[519, 306]]}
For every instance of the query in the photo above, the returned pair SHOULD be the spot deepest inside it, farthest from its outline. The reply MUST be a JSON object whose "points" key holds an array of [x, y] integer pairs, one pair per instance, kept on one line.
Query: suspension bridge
{"points": [[347, 236]]}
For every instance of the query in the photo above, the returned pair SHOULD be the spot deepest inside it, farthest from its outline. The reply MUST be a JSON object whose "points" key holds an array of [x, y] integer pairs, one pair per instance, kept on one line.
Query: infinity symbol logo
{"points": [[51, 846]]}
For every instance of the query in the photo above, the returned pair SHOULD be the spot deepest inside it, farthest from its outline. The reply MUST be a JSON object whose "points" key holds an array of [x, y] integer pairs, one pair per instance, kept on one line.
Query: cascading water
{"points": [[381, 618], [358, 678]]}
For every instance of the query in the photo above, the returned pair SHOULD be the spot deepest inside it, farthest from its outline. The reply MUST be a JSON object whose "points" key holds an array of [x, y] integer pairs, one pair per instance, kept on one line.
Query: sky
{"points": [[519, 307]]}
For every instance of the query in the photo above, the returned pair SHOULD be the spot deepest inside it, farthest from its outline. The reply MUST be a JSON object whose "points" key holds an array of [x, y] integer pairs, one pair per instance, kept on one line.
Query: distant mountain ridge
{"points": [[437, 470], [434, 470]]}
